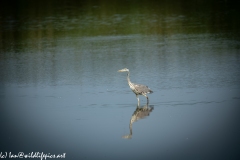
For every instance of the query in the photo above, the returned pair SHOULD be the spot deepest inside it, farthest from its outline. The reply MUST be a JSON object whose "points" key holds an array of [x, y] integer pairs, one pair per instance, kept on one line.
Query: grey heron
{"points": [[138, 89]]}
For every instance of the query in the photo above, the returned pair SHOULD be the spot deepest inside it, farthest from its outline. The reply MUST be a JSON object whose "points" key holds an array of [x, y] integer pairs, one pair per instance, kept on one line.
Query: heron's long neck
{"points": [[128, 79]]}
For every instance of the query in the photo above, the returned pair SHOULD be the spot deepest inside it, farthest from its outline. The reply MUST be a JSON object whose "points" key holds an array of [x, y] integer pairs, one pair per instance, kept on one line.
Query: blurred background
{"points": [[60, 91]]}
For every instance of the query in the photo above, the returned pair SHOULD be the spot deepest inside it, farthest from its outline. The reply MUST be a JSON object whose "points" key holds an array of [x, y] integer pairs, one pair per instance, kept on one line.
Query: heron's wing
{"points": [[142, 88]]}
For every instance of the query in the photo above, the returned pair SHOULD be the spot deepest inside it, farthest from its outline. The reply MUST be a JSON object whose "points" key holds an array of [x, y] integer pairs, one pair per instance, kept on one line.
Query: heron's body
{"points": [[138, 89]]}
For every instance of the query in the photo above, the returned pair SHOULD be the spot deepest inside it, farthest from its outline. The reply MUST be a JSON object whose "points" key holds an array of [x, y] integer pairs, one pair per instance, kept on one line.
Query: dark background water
{"points": [[60, 91]]}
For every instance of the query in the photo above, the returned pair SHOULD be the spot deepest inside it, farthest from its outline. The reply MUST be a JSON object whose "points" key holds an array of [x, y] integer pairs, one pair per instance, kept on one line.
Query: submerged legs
{"points": [[147, 98], [138, 99], [144, 96]]}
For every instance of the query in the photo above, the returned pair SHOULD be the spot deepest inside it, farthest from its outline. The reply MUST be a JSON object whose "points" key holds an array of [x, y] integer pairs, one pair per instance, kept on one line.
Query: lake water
{"points": [[60, 91]]}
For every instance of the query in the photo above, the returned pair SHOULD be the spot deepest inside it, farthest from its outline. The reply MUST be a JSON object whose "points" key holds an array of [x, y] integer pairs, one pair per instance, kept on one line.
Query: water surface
{"points": [[60, 91]]}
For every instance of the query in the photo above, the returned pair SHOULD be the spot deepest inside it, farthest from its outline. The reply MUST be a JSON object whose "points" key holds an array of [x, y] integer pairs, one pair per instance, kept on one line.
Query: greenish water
{"points": [[60, 91]]}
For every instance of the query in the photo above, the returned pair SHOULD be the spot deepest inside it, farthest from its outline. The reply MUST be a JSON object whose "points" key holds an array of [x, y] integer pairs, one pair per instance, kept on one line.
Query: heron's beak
{"points": [[120, 71]]}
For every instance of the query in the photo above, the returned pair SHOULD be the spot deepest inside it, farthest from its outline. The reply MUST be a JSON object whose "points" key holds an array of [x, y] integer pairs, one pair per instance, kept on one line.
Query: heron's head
{"points": [[124, 70]]}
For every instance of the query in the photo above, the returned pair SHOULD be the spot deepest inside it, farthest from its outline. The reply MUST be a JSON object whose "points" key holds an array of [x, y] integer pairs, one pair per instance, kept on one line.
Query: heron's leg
{"points": [[147, 98], [138, 99]]}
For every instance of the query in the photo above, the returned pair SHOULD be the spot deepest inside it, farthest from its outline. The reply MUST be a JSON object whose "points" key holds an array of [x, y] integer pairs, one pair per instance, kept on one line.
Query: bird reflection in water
{"points": [[139, 113]]}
